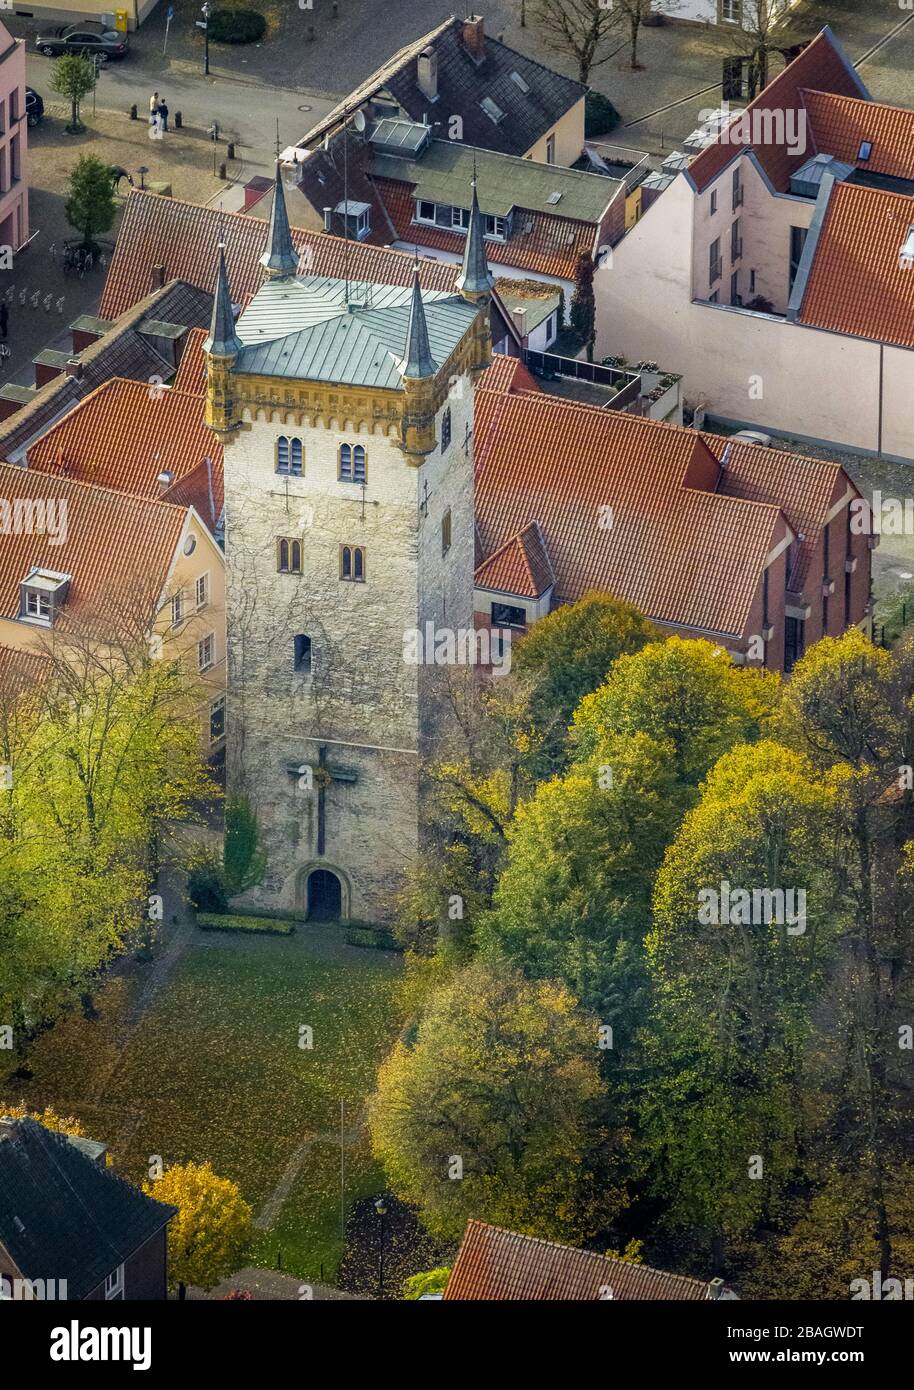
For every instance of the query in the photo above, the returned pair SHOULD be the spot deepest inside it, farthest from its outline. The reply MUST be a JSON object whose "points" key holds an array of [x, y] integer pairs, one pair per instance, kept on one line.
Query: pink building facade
{"points": [[14, 193]]}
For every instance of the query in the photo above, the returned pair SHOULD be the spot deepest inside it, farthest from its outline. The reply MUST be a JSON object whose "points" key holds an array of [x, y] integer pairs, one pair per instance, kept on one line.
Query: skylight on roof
{"points": [[906, 255], [554, 198], [492, 110], [519, 82], [865, 150]]}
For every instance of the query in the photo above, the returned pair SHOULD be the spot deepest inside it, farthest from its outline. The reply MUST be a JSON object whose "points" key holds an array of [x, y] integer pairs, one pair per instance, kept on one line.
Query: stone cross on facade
{"points": [[323, 776]]}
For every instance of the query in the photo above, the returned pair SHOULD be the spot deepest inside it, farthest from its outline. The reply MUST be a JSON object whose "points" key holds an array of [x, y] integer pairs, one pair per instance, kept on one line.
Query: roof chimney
{"points": [[519, 315], [474, 39], [74, 368], [164, 480], [156, 277], [327, 215], [427, 73]]}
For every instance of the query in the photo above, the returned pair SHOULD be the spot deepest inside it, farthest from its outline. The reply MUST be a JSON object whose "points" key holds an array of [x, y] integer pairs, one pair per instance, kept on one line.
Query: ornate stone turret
{"points": [[474, 281], [418, 369], [221, 348], [279, 260]]}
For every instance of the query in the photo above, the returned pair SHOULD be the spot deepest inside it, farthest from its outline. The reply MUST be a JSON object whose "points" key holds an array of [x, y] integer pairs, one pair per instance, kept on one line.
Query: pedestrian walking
{"points": [[4, 318], [163, 112], [153, 107]]}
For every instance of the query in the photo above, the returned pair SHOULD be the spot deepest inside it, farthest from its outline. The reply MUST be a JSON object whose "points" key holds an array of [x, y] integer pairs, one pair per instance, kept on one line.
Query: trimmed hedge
{"points": [[236, 26], [263, 926]]}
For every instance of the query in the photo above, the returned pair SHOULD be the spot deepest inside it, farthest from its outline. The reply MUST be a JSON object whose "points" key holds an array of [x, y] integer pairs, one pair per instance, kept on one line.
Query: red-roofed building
{"points": [[495, 1264], [750, 547], [776, 272]]}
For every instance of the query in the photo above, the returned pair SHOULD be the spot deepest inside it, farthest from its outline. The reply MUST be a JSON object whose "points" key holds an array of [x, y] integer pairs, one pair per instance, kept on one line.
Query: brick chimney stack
{"points": [[156, 277], [474, 39]]}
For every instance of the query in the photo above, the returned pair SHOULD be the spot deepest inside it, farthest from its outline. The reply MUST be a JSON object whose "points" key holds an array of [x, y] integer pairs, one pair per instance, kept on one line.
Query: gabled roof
{"points": [[548, 245], [540, 457], [183, 238], [122, 351], [823, 66], [804, 488], [841, 124], [495, 1264], [521, 566], [858, 283], [125, 434], [109, 538], [305, 330], [65, 1217], [531, 106], [191, 373]]}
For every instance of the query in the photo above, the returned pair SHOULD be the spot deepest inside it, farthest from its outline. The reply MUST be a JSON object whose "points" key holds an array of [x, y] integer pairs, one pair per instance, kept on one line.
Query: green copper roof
{"points": [[222, 339], [304, 330], [474, 277], [418, 357], [279, 258], [444, 170]]}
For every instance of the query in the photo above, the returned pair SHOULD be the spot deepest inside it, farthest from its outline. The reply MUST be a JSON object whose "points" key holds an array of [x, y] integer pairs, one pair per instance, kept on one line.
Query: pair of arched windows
{"points": [[288, 556], [290, 455], [352, 562], [353, 467]]}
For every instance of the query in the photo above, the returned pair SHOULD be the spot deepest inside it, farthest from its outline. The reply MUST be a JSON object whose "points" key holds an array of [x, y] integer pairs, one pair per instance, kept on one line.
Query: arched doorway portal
{"points": [[325, 896]]}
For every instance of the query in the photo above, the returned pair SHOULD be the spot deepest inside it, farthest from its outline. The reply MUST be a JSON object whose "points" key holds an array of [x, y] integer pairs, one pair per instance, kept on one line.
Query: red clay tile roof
{"points": [[521, 566], [109, 539], [857, 283], [507, 374], [125, 434], [551, 247], [494, 1264], [804, 488], [191, 373], [841, 124], [685, 556], [183, 238], [21, 668], [821, 67]]}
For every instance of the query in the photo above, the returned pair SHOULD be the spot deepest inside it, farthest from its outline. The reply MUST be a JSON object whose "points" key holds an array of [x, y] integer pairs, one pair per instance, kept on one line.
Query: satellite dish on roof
{"points": [[358, 120]]}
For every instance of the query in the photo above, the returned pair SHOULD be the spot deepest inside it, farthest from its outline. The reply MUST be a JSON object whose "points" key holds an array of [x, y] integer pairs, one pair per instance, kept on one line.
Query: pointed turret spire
{"points": [[474, 281], [418, 361], [279, 259], [223, 341]]}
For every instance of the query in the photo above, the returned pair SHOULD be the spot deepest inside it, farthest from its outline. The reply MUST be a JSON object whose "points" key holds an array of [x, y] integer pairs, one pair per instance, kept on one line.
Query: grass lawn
{"points": [[214, 1070]]}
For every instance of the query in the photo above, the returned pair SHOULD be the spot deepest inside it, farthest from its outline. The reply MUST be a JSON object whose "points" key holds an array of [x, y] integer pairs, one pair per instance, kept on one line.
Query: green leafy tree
{"points": [[502, 1078], [680, 691], [209, 1237], [432, 1281], [74, 77], [573, 900], [569, 653], [245, 858], [89, 205], [734, 989]]}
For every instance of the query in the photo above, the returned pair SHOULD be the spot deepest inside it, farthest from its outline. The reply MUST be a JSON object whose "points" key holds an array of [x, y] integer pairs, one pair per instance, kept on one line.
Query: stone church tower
{"points": [[346, 409]]}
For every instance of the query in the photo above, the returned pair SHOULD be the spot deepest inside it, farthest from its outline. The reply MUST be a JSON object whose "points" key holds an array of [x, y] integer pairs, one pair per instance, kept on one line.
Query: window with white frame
{"points": [[730, 11], [38, 605], [206, 652], [114, 1284], [201, 591], [496, 227], [425, 211], [177, 608], [460, 219]]}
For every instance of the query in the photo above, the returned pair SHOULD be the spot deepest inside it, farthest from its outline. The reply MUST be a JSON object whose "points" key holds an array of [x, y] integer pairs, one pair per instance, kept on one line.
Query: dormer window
{"points": [[906, 258], [496, 228], [357, 217], [42, 594]]}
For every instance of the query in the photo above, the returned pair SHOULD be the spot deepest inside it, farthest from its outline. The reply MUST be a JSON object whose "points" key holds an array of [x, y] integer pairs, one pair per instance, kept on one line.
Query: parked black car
{"points": [[88, 37], [34, 106]]}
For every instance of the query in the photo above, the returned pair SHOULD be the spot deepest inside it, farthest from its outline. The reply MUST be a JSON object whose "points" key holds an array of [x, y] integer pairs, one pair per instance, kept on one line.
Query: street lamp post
{"points": [[381, 1209], [206, 12]]}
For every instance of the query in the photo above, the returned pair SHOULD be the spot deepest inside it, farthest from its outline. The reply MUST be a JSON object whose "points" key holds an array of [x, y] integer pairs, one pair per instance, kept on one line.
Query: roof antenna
{"points": [[346, 202]]}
